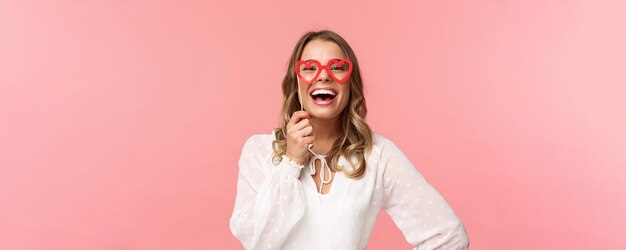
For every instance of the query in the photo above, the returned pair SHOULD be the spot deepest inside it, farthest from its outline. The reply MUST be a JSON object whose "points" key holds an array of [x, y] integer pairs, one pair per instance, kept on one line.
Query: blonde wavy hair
{"points": [[357, 139]]}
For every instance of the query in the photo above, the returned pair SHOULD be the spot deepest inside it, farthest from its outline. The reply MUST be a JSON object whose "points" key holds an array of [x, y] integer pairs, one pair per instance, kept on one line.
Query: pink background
{"points": [[122, 121]]}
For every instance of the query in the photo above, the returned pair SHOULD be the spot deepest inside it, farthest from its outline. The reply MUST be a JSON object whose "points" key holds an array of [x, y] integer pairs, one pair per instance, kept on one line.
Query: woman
{"points": [[334, 202]]}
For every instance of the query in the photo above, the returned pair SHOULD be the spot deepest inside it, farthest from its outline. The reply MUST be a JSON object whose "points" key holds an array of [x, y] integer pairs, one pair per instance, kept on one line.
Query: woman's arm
{"points": [[417, 209], [270, 199]]}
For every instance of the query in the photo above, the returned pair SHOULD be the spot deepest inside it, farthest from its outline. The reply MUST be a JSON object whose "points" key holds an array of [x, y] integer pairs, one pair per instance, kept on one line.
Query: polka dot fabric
{"points": [[278, 207]]}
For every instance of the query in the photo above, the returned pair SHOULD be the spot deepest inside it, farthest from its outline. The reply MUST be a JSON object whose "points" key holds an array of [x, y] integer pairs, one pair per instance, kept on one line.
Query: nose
{"points": [[324, 77]]}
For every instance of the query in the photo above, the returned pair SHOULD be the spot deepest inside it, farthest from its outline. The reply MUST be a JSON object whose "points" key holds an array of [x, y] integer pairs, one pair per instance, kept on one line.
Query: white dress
{"points": [[280, 207]]}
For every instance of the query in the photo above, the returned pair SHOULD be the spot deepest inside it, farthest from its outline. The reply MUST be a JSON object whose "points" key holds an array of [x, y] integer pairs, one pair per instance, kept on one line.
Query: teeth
{"points": [[323, 91]]}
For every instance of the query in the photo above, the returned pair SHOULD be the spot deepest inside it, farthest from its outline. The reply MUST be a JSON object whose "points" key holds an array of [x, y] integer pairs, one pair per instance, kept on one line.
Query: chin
{"points": [[325, 115]]}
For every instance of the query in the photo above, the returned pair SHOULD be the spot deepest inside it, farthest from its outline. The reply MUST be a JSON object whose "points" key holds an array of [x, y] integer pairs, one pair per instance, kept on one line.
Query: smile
{"points": [[323, 97]]}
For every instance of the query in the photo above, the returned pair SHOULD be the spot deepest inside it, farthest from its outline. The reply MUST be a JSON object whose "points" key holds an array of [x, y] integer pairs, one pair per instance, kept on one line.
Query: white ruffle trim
{"points": [[291, 167], [292, 162]]}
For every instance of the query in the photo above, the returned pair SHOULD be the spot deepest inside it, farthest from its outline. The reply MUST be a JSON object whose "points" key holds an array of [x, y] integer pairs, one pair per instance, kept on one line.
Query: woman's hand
{"points": [[299, 136]]}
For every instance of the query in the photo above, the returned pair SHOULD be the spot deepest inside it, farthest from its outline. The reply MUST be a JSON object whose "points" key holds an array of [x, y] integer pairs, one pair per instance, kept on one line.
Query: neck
{"points": [[326, 130]]}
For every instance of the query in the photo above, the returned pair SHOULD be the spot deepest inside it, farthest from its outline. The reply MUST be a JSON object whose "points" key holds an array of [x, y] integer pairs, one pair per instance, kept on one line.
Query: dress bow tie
{"points": [[322, 159]]}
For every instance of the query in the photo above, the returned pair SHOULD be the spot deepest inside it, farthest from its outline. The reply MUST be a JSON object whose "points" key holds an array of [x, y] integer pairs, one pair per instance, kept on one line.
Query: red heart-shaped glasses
{"points": [[339, 70]]}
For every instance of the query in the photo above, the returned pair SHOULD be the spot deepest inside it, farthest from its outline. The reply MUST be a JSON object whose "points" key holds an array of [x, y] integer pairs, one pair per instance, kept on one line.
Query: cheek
{"points": [[346, 93], [345, 96]]}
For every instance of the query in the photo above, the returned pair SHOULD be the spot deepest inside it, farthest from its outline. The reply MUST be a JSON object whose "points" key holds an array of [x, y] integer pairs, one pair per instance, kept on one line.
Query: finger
{"points": [[295, 128], [309, 139], [297, 116], [302, 124], [306, 131], [300, 134]]}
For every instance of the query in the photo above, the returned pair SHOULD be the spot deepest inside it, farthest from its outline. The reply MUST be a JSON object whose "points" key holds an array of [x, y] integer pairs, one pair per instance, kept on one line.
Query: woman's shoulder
{"points": [[385, 145], [379, 140], [260, 137], [259, 141], [256, 150]]}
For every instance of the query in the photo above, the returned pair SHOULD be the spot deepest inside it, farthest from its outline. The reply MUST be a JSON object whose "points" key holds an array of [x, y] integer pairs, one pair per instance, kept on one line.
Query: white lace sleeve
{"points": [[270, 198], [418, 210]]}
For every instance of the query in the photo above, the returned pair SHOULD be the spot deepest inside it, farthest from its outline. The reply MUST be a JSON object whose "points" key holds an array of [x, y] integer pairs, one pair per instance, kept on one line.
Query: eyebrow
{"points": [[338, 59]]}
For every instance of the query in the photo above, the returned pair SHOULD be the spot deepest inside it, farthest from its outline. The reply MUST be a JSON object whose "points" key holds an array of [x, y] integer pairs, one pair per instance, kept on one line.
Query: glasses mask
{"points": [[339, 70]]}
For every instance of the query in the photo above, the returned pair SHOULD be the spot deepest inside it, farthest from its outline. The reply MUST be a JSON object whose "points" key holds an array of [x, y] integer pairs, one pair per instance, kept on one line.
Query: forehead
{"points": [[321, 50]]}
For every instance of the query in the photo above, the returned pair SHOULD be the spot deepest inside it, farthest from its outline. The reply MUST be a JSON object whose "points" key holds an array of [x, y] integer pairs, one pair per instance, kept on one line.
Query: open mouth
{"points": [[323, 97]]}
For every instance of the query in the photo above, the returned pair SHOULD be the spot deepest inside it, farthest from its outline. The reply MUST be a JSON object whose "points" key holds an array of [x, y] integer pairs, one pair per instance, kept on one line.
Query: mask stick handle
{"points": [[302, 109]]}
